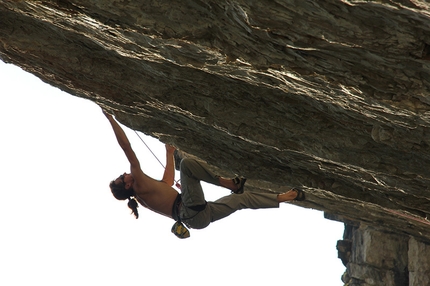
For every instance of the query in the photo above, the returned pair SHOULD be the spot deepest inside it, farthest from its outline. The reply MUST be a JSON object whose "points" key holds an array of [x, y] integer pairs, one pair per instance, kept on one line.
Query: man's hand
{"points": [[170, 149], [109, 116]]}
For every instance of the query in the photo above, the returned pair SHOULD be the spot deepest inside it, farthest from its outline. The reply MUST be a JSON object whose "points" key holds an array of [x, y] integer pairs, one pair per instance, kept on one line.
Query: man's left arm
{"points": [[169, 171]]}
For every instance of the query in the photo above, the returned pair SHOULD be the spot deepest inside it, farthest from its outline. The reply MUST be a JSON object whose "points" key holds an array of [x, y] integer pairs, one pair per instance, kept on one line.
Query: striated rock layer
{"points": [[331, 96], [375, 257]]}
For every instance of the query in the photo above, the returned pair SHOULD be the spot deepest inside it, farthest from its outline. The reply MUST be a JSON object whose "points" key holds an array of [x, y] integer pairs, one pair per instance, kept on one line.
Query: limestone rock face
{"points": [[380, 257], [331, 96]]}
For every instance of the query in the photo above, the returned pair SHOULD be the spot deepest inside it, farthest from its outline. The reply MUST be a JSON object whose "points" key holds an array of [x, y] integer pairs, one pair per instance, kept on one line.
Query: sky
{"points": [[60, 224]]}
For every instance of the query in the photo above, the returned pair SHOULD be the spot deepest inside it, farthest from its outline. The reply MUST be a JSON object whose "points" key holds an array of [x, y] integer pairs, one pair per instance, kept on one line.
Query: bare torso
{"points": [[155, 195]]}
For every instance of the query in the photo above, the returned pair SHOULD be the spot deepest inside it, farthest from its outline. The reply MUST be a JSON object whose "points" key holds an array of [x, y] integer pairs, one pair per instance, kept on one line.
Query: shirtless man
{"points": [[189, 207]]}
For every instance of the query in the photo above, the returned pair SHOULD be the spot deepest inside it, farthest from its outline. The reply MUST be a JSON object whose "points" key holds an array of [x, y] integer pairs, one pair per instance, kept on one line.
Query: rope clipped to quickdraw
{"points": [[177, 184]]}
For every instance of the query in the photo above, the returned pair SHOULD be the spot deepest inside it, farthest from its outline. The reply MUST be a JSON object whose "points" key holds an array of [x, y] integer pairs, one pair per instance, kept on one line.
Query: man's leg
{"points": [[192, 172], [248, 200]]}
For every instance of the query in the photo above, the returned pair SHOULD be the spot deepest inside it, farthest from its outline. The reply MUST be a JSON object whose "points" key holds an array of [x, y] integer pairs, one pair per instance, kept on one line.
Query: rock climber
{"points": [[188, 207]]}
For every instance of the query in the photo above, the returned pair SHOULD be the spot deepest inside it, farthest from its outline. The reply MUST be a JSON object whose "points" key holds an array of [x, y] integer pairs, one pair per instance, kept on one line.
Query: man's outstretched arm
{"points": [[169, 171], [123, 141]]}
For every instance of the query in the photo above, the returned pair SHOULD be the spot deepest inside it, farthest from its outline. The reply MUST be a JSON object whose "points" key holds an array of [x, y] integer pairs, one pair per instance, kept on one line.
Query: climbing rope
{"points": [[149, 149], [177, 184]]}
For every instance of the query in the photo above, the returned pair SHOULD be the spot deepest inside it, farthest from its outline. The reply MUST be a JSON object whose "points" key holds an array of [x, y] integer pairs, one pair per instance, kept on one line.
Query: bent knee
{"points": [[186, 166], [185, 163]]}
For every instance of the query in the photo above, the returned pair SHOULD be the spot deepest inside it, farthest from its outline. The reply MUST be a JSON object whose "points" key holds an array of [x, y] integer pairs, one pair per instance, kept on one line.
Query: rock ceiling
{"points": [[331, 96]]}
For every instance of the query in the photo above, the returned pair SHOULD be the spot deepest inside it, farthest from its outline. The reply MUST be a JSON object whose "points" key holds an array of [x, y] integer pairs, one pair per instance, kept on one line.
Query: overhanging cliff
{"points": [[332, 96]]}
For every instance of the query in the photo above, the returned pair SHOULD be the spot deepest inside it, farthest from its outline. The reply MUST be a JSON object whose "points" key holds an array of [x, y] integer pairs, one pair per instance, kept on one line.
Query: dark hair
{"points": [[121, 193]]}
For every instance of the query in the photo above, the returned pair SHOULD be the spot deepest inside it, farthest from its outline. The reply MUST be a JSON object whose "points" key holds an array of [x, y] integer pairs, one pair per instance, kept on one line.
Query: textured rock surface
{"points": [[384, 258], [331, 96]]}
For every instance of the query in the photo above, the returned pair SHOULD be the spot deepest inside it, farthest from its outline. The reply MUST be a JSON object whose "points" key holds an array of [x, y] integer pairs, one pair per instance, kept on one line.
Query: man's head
{"points": [[122, 189]]}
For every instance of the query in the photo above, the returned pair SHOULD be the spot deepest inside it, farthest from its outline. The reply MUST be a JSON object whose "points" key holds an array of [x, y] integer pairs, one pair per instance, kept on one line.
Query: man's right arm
{"points": [[169, 170], [123, 141]]}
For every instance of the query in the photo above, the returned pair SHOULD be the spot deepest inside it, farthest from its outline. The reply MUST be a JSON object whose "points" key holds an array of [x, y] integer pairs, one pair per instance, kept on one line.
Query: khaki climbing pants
{"points": [[192, 172]]}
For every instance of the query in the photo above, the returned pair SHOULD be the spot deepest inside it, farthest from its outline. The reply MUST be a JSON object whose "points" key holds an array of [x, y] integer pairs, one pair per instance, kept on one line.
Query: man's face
{"points": [[125, 179]]}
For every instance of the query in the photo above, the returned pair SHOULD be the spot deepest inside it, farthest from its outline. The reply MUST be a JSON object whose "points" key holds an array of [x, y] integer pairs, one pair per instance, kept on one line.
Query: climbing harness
{"points": [[177, 184]]}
